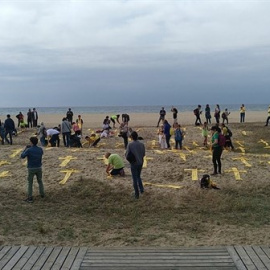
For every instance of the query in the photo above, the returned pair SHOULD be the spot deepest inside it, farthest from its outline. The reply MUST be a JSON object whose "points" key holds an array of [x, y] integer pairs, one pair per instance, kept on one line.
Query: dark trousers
{"points": [[216, 159], [242, 117], [29, 123], [198, 120], [54, 140], [8, 132], [125, 137], [66, 138], [267, 120], [168, 137], [136, 177], [178, 142]]}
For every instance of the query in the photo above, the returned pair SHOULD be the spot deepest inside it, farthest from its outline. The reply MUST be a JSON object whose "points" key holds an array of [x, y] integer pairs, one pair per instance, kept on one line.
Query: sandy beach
{"points": [[172, 173]]}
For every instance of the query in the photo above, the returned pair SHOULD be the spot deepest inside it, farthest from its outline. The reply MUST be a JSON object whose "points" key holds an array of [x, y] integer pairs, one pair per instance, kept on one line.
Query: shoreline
{"points": [[144, 119]]}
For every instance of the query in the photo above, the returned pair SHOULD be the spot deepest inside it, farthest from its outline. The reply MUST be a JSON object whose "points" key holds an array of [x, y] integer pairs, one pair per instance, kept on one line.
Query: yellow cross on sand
{"points": [[4, 162], [194, 173], [264, 142], [242, 149], [162, 186], [190, 151], [105, 160], [145, 161], [239, 143], [243, 160], [16, 152], [183, 156], [68, 174], [195, 143], [244, 133], [236, 173], [159, 152], [4, 174], [153, 143], [66, 160]]}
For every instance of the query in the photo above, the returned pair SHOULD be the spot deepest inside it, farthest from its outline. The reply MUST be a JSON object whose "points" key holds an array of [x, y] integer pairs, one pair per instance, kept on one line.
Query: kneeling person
{"points": [[115, 164]]}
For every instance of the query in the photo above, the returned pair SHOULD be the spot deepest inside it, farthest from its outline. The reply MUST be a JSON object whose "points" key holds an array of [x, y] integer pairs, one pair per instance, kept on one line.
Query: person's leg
{"points": [[159, 121], [139, 170], [176, 144], [219, 159], [64, 139], [180, 144], [10, 137], [267, 120], [214, 160], [125, 137], [40, 183], [168, 140], [31, 173], [68, 139], [134, 173]]}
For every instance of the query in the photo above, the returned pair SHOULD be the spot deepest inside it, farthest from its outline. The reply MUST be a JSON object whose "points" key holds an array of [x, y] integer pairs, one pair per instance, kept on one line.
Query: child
{"points": [[225, 116], [178, 136], [205, 133], [93, 140], [161, 138]]}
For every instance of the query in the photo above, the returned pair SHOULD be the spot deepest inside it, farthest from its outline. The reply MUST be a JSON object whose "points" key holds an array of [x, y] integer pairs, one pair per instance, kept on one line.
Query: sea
{"points": [[126, 109]]}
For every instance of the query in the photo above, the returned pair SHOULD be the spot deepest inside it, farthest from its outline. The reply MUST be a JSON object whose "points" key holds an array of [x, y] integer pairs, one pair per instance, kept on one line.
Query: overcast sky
{"points": [[134, 52]]}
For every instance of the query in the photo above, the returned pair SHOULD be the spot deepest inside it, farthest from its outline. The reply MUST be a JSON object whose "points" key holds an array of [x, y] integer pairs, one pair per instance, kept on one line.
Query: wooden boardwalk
{"points": [[82, 258]]}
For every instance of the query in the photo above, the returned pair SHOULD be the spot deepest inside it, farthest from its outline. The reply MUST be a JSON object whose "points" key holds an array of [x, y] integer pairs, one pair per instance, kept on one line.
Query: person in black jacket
{"points": [[9, 127]]}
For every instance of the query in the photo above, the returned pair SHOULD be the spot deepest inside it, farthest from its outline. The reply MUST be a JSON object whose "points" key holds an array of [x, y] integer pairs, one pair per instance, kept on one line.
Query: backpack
{"points": [[195, 111], [223, 115], [221, 140]]}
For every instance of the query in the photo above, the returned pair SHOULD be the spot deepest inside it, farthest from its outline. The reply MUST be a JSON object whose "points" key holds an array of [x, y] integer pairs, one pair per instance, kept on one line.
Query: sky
{"points": [[134, 52]]}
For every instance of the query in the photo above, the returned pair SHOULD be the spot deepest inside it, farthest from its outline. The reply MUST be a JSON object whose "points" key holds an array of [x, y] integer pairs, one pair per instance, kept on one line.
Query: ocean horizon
{"points": [[126, 109]]}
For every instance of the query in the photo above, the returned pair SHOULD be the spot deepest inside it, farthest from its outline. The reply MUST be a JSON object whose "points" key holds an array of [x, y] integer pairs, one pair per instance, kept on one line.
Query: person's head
{"points": [[118, 115], [199, 106], [69, 109], [107, 155], [34, 109], [134, 135], [64, 119], [207, 105], [222, 125], [243, 105], [79, 116], [165, 122], [214, 129], [226, 110], [8, 116], [87, 138], [34, 140]]}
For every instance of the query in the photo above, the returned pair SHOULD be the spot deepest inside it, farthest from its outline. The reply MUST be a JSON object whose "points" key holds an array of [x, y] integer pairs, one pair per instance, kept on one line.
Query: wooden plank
{"points": [[3, 251], [79, 258], [255, 258], [61, 258], [26, 256], [51, 259], [15, 258], [266, 250], [34, 257], [237, 260], [8, 256], [245, 258], [70, 258], [265, 259], [42, 259]]}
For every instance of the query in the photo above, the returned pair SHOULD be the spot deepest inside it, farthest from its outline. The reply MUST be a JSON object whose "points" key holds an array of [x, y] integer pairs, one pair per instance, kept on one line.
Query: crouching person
{"points": [[34, 164], [115, 164]]}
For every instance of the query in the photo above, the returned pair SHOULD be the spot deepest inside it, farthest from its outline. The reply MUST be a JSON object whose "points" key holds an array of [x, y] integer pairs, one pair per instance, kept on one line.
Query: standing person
{"points": [[20, 117], [268, 118], [2, 133], [162, 114], [167, 133], [224, 116], [216, 150], [217, 113], [115, 164], [34, 164], [79, 121], [66, 131], [242, 113], [205, 133], [175, 112], [125, 118], [208, 114], [34, 117], [228, 136], [178, 136], [9, 127], [29, 118], [197, 112], [115, 118], [42, 134], [124, 130], [69, 115], [135, 154]]}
